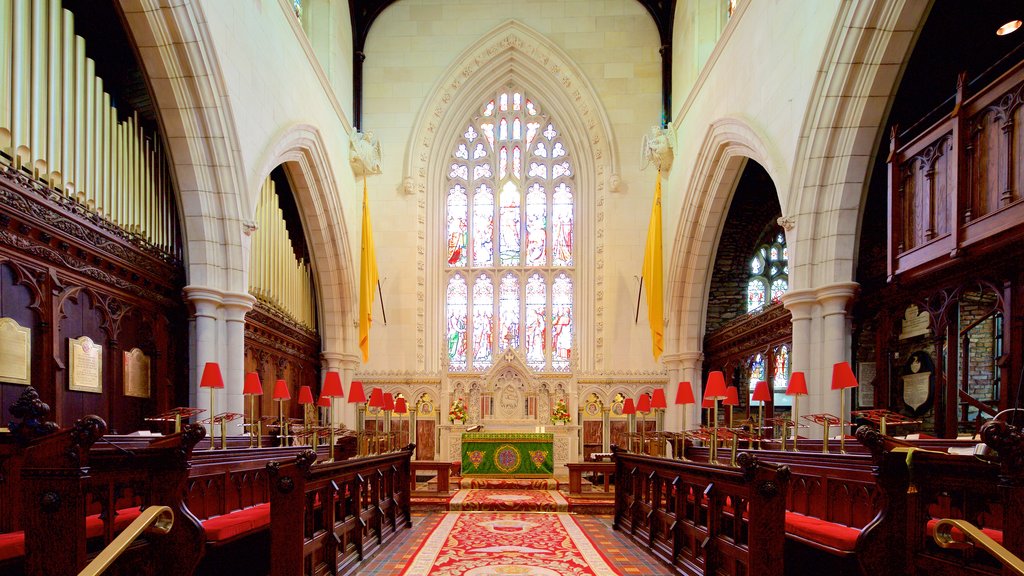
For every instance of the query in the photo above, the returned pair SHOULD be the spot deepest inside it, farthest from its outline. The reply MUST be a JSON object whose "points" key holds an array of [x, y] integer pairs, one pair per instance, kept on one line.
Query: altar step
{"points": [[508, 500], [510, 483]]}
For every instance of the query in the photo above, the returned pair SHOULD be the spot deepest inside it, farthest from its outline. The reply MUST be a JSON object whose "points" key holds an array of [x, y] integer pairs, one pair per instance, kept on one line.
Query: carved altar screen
{"points": [[510, 260]]}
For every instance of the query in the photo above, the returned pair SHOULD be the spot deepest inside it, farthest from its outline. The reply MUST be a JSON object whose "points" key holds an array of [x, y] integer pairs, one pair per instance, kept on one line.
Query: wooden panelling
{"points": [[67, 273], [277, 347]]}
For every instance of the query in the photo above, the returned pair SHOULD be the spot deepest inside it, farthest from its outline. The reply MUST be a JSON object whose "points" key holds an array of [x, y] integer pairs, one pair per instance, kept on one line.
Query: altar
{"points": [[508, 454]]}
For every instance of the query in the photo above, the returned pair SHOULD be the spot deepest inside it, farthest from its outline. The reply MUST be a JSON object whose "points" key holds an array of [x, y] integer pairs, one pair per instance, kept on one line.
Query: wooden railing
{"points": [[959, 183], [327, 517], [702, 518]]}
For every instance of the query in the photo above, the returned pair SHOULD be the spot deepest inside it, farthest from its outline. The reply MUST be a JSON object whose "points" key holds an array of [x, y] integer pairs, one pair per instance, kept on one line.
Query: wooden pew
{"points": [[76, 496], [703, 518], [922, 487], [327, 517]]}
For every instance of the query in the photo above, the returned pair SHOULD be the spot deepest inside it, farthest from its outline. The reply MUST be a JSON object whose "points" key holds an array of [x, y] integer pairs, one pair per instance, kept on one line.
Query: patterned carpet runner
{"points": [[497, 544], [508, 501]]}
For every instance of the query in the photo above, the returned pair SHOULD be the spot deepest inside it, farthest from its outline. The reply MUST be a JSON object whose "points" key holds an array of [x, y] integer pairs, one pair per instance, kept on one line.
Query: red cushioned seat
{"points": [[221, 528], [124, 517], [12, 545], [823, 532], [958, 536]]}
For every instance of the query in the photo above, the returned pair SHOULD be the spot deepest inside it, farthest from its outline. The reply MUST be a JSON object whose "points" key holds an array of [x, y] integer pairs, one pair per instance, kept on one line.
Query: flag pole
{"points": [[636, 319], [381, 294]]}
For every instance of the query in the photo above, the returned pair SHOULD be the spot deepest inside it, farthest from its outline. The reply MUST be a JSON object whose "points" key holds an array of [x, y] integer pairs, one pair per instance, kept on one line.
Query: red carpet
{"points": [[508, 501], [497, 544]]}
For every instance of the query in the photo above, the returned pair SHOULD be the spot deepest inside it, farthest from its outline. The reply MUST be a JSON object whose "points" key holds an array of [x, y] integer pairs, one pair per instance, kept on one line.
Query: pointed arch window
{"points": [[769, 272], [511, 215]]}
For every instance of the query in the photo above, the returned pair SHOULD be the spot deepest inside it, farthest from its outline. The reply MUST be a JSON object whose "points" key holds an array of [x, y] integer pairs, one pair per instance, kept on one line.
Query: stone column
{"points": [[835, 342], [800, 304], [235, 307], [205, 304], [348, 411], [673, 413], [691, 372]]}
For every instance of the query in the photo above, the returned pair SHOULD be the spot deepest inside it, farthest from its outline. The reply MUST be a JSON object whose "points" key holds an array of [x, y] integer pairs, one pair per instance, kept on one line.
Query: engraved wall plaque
{"points": [[86, 374], [915, 323], [136, 374], [15, 352], [866, 390]]}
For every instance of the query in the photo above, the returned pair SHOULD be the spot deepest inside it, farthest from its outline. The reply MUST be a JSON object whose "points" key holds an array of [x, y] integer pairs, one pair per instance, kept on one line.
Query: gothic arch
{"points": [[840, 132], [727, 145], [177, 58], [302, 151], [510, 54]]}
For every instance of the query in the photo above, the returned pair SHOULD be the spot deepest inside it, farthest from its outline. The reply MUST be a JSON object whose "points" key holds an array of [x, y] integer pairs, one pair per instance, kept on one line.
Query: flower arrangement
{"points": [[560, 413], [457, 411]]}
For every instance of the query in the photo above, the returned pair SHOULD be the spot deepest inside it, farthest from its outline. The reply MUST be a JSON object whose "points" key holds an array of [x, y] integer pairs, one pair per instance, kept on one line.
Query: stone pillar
{"points": [[800, 304], [235, 307], [835, 342], [332, 362], [205, 304], [348, 411], [673, 413], [691, 372]]}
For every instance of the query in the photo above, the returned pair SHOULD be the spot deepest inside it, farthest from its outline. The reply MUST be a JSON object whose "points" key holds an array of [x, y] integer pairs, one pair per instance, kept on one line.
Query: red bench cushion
{"points": [[958, 536], [821, 531], [12, 545], [232, 524]]}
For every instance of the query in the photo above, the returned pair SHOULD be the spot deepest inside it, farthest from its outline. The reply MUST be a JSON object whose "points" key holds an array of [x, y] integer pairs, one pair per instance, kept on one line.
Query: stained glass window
{"points": [[780, 372], [769, 272], [536, 320], [756, 370], [755, 294], [457, 299], [508, 310], [510, 222], [561, 322]]}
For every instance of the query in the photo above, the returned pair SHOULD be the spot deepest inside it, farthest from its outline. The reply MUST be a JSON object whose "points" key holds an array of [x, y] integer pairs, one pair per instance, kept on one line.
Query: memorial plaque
{"points": [[136, 374], [86, 374], [15, 352], [915, 323], [866, 390]]}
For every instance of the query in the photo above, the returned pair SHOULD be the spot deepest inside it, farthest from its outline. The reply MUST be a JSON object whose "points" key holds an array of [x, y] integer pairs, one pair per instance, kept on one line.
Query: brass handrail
{"points": [[156, 519], [975, 538]]}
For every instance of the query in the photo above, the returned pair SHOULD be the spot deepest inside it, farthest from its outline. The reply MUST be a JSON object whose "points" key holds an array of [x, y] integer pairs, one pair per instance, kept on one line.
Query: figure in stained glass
{"points": [[780, 376]]}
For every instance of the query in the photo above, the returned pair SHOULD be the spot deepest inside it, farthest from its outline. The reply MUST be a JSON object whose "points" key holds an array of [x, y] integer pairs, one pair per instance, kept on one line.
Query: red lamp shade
{"points": [[732, 396], [842, 376], [355, 392], [305, 395], [707, 403], [332, 385], [377, 398], [628, 407], [643, 403], [658, 400], [281, 391], [761, 392], [716, 386], [252, 386], [685, 394], [797, 385], [389, 402], [211, 376], [324, 401], [400, 406]]}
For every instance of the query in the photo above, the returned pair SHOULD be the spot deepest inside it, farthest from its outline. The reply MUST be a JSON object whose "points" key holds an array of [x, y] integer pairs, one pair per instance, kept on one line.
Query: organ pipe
{"points": [[58, 123], [38, 112], [54, 94], [21, 80], [276, 276], [6, 50]]}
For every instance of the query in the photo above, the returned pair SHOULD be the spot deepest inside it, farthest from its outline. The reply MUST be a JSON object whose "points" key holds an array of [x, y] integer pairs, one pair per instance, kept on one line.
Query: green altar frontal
{"points": [[523, 455]]}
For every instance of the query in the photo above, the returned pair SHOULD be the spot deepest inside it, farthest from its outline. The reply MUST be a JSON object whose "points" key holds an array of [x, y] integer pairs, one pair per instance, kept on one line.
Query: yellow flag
{"points": [[652, 275], [367, 279]]}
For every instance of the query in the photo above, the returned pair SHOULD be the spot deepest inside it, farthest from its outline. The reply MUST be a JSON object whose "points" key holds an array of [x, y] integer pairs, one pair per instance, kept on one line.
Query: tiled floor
{"points": [[624, 555]]}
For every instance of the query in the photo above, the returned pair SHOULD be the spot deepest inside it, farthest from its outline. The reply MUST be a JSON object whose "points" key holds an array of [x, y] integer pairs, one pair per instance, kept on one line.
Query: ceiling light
{"points": [[1009, 27]]}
